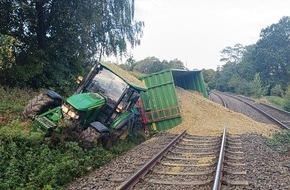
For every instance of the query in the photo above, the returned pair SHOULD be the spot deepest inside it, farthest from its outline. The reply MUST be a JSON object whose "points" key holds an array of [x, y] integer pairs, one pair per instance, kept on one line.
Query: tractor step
{"points": [[45, 123]]}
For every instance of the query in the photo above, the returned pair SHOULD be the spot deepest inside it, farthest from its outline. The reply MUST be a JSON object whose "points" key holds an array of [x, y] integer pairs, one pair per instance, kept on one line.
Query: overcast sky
{"points": [[195, 31]]}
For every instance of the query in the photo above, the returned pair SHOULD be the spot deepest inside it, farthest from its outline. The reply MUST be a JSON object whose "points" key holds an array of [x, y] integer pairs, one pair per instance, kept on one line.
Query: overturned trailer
{"points": [[160, 102]]}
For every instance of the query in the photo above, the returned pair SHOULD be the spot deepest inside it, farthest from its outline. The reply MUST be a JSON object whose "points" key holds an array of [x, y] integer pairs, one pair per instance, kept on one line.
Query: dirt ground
{"points": [[203, 117]]}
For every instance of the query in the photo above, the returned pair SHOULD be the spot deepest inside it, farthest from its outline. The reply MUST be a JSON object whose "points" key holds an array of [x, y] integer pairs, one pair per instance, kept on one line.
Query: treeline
{"points": [[44, 43], [151, 65], [259, 69]]}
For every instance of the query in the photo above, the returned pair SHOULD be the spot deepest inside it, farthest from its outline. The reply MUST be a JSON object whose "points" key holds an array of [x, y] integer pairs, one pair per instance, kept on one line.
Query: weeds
{"points": [[12, 101], [275, 101], [280, 141]]}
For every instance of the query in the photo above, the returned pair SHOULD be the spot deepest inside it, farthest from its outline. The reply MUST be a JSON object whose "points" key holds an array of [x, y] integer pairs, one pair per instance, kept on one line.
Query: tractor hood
{"points": [[85, 101]]}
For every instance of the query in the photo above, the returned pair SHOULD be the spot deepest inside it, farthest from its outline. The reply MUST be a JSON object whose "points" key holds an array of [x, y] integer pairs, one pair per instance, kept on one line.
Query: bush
{"points": [[287, 99], [258, 89], [277, 91], [280, 141], [31, 164], [12, 100], [29, 161], [275, 101]]}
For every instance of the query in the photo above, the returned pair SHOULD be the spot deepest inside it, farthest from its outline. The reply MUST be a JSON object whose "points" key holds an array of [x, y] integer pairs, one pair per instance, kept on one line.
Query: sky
{"points": [[195, 31]]}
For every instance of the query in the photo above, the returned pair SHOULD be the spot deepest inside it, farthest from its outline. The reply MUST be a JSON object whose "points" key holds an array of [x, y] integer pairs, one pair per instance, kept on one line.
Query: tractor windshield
{"points": [[108, 85]]}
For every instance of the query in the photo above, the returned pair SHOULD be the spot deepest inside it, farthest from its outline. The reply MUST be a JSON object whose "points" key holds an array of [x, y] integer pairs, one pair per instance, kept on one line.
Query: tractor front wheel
{"points": [[39, 104], [91, 137]]}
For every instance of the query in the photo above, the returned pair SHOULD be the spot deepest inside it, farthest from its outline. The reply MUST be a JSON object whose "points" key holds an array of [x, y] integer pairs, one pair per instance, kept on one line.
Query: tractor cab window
{"points": [[130, 98], [108, 85]]}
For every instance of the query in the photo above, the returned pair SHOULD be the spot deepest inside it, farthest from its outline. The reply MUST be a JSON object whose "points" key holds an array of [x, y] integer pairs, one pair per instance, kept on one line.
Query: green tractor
{"points": [[103, 106]]}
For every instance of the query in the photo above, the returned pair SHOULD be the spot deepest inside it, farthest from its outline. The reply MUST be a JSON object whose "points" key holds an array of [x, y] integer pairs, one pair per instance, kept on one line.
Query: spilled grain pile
{"points": [[203, 117]]}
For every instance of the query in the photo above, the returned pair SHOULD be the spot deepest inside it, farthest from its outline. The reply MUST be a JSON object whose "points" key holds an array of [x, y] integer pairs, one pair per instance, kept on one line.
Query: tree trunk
{"points": [[40, 24]]}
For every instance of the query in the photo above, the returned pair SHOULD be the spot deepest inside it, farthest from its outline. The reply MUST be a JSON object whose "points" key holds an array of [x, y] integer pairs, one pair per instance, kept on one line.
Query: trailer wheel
{"points": [[39, 104]]}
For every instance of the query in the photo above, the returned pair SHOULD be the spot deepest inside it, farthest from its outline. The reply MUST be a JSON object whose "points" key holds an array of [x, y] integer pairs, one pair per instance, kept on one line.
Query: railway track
{"points": [[281, 115], [217, 98], [277, 116], [193, 162]]}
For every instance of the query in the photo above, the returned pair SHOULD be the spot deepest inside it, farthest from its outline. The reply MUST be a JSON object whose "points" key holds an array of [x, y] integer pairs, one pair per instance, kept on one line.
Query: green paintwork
{"points": [[119, 119], [161, 95], [127, 77], [189, 80], [50, 119], [86, 101]]}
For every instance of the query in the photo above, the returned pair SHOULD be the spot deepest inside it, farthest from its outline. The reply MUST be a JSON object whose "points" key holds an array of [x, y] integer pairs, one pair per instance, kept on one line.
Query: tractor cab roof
{"points": [[127, 77]]}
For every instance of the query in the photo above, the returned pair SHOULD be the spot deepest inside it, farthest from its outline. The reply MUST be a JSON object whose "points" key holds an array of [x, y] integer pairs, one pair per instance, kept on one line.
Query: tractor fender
{"points": [[53, 95], [99, 127]]}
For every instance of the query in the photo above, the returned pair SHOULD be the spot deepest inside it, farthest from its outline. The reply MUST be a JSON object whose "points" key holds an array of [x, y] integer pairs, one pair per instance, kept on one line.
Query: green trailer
{"points": [[160, 101]]}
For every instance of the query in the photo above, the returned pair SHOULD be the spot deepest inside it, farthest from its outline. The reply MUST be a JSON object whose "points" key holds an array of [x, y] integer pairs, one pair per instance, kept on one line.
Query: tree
{"points": [[149, 65], [232, 54], [232, 57], [209, 77], [271, 55], [173, 64], [224, 75], [257, 88], [55, 37], [129, 64], [287, 98], [153, 65], [277, 90], [7, 55], [239, 85]]}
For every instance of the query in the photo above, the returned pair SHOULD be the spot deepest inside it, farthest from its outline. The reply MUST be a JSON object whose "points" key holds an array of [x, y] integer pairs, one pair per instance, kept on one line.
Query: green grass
{"points": [[28, 160], [12, 100], [274, 101], [280, 141]]}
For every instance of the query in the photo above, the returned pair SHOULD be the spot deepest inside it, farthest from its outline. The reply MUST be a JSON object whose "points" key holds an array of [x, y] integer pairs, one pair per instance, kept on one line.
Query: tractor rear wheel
{"points": [[39, 104]]}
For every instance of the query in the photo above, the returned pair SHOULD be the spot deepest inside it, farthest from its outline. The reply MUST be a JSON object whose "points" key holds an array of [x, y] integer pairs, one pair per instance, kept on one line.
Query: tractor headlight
{"points": [[69, 112], [73, 115], [64, 109], [119, 108]]}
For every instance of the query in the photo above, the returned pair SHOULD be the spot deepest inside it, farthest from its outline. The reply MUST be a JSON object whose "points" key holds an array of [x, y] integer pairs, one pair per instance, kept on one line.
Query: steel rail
{"points": [[218, 176], [261, 111], [272, 107], [223, 101], [267, 105], [133, 179]]}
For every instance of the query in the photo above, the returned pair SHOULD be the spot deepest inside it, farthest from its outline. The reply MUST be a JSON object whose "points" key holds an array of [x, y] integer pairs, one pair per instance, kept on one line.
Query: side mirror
{"points": [[79, 79]]}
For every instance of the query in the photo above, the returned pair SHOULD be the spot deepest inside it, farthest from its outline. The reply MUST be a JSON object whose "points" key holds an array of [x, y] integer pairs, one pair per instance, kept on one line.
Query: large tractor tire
{"points": [[91, 137], [39, 104]]}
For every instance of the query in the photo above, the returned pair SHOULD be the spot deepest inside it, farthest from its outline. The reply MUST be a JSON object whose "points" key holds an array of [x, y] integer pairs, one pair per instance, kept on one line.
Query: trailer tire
{"points": [[39, 104]]}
